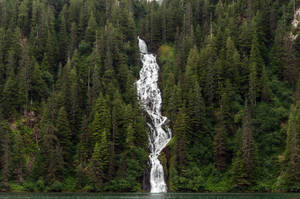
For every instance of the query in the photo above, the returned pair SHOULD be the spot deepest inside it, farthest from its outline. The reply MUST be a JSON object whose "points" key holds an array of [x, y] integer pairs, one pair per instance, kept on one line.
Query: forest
{"points": [[70, 118]]}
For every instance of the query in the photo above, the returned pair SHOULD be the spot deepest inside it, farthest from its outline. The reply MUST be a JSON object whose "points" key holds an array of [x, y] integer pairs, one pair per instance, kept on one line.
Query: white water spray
{"points": [[295, 25], [150, 100]]}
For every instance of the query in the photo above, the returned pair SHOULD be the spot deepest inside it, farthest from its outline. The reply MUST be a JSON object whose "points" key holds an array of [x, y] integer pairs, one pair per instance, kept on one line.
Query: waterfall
{"points": [[295, 25], [150, 100]]}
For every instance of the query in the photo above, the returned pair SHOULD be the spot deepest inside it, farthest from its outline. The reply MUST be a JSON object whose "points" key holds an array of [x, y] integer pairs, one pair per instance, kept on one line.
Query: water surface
{"points": [[148, 196]]}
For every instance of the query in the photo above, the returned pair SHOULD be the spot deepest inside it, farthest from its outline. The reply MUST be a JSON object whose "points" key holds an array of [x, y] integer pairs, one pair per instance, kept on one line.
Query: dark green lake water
{"points": [[149, 196]]}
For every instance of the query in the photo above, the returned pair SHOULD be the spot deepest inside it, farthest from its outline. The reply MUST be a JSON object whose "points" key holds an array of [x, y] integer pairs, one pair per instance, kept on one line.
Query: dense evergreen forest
{"points": [[70, 117]]}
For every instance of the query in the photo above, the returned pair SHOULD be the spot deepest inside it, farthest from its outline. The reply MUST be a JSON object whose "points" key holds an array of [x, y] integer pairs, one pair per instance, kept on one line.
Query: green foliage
{"points": [[29, 186], [292, 160], [191, 180], [99, 161], [70, 117], [15, 187], [70, 184], [5, 155], [216, 181], [40, 186], [57, 186], [64, 135], [88, 188], [240, 181]]}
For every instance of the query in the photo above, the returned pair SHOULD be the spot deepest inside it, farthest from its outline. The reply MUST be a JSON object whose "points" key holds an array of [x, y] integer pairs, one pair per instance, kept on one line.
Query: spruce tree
{"points": [[292, 159], [6, 154], [130, 137], [9, 97], [181, 130], [243, 166], [99, 162], [248, 146], [63, 36], [38, 86], [101, 120], [220, 152], [64, 135], [52, 160], [255, 63], [232, 62], [90, 33]]}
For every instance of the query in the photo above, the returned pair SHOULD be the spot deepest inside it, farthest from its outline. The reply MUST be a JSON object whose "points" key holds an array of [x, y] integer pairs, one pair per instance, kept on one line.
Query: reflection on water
{"points": [[157, 195], [147, 196]]}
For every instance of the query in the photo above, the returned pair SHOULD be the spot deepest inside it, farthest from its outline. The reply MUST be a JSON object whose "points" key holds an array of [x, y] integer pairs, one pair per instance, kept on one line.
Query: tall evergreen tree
{"points": [[220, 152], [5, 155], [292, 159], [64, 135], [99, 161], [243, 168]]}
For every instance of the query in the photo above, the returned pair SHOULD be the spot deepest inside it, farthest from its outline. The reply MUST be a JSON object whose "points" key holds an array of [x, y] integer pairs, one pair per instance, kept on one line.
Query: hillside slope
{"points": [[229, 76]]}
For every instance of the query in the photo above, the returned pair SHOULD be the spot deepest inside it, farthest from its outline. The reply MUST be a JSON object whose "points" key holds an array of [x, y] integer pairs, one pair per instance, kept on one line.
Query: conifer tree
{"points": [[292, 159], [23, 18], [74, 98], [9, 97], [64, 135], [51, 151], [2, 65], [73, 38], [72, 66], [63, 36], [5, 157], [232, 61], [101, 121], [38, 87], [243, 166], [175, 102], [248, 146], [265, 91], [220, 152], [99, 161], [24, 76], [253, 83], [90, 32], [181, 130], [191, 69], [130, 137], [51, 51], [239, 176], [96, 85], [196, 109], [256, 63], [18, 160]]}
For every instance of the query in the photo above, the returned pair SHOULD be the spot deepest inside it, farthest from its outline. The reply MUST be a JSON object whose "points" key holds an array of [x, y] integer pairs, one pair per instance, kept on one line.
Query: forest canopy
{"points": [[229, 74]]}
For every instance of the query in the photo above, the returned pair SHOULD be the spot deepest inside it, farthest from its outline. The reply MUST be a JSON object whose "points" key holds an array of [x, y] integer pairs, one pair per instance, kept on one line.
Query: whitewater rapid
{"points": [[150, 100]]}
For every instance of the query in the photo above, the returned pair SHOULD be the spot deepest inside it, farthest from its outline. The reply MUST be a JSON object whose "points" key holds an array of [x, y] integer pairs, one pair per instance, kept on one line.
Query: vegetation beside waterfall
{"points": [[70, 117]]}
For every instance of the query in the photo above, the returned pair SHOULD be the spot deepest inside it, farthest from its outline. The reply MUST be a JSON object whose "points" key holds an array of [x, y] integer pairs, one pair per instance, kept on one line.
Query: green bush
{"points": [[29, 186], [40, 185], [56, 186], [279, 185], [88, 188], [218, 183], [263, 186], [16, 187], [70, 184]]}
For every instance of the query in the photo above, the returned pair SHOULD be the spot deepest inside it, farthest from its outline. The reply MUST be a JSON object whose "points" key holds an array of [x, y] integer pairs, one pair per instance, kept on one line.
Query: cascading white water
{"points": [[150, 99]]}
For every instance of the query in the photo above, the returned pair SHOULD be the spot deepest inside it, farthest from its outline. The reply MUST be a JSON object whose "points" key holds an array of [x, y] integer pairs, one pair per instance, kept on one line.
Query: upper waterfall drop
{"points": [[150, 100], [143, 46], [158, 1]]}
